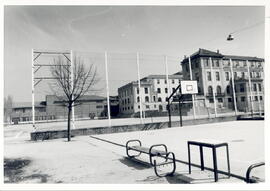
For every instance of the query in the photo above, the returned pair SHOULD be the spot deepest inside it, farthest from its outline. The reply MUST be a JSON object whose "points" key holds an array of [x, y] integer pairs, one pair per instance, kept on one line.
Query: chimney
{"points": [[185, 56], [218, 51]]}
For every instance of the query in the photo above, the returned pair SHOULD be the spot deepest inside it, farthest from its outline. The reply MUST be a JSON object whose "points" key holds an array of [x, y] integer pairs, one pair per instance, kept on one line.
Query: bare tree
{"points": [[8, 104], [69, 91]]}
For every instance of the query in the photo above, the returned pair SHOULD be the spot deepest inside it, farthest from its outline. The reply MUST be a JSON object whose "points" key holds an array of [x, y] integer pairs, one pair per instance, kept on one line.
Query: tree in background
{"points": [[8, 103], [69, 91]]}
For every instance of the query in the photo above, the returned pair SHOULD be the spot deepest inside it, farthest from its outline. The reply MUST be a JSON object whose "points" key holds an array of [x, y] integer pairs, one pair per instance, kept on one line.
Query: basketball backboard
{"points": [[189, 87]]}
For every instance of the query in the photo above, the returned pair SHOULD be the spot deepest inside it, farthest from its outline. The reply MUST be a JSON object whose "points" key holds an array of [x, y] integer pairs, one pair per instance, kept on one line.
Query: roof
{"points": [[27, 104], [163, 76], [204, 53], [243, 58], [207, 53]]}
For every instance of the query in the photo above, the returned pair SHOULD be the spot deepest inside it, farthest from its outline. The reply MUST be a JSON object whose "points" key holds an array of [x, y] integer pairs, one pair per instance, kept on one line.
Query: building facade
{"points": [[225, 79], [154, 90], [88, 106]]}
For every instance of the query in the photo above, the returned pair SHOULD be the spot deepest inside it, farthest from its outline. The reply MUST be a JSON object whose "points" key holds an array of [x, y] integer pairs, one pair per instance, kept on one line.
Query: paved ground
{"points": [[87, 160]]}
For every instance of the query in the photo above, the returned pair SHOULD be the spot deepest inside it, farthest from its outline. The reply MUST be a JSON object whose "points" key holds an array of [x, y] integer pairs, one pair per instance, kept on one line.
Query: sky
{"points": [[154, 31]]}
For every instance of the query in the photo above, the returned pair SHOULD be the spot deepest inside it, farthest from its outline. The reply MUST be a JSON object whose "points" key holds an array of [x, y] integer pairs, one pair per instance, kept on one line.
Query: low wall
{"points": [[46, 135]]}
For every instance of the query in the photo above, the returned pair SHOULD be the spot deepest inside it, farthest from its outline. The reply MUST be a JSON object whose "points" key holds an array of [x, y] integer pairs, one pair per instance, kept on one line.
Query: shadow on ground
{"points": [[135, 163], [14, 173]]}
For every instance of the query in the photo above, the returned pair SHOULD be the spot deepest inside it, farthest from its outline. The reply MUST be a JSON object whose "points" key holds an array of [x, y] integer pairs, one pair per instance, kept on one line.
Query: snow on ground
{"points": [[87, 160]]}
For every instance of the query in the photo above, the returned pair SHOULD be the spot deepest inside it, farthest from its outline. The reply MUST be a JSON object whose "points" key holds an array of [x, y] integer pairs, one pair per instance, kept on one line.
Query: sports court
{"points": [[96, 161]]}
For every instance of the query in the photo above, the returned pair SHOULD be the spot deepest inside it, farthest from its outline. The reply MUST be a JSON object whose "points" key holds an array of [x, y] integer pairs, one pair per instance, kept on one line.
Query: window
{"points": [[218, 90], [138, 91], [229, 99], [261, 98], [256, 98], [220, 100], [155, 106], [197, 76], [146, 99], [235, 75], [146, 90], [260, 87], [206, 61], [179, 81], [243, 75], [138, 107], [166, 90], [99, 106], [227, 76], [199, 90], [147, 106], [165, 81], [128, 100], [210, 90], [197, 64], [158, 81], [138, 99], [160, 108], [217, 76], [211, 100], [158, 90], [173, 89], [243, 99], [154, 98], [159, 99], [217, 64], [172, 81], [209, 76], [254, 87], [257, 74], [242, 87], [250, 74]]}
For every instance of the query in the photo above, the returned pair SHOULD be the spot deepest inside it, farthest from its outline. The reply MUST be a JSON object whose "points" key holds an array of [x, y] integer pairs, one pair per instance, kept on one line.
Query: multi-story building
{"points": [[154, 91], [217, 73]]}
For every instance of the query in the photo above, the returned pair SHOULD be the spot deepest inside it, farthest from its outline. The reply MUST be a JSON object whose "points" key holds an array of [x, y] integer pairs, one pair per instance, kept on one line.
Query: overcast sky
{"points": [[175, 31]]}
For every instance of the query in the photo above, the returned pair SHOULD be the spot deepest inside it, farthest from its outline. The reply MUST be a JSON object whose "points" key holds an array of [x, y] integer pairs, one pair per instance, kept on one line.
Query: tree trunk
{"points": [[69, 114]]}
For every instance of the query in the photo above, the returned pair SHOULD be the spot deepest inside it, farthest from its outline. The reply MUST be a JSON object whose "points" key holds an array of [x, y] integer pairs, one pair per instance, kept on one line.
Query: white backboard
{"points": [[189, 87]]}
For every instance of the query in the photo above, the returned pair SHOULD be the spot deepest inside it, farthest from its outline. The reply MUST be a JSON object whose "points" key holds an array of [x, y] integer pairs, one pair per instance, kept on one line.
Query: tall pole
{"points": [[250, 88], [72, 81], [139, 85], [191, 77], [167, 75], [33, 91], [213, 85], [259, 101], [234, 97], [107, 89]]}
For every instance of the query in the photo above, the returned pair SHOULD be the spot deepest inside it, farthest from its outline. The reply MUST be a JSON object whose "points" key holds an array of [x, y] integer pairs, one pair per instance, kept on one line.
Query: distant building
{"points": [[213, 72], [154, 91], [88, 106]]}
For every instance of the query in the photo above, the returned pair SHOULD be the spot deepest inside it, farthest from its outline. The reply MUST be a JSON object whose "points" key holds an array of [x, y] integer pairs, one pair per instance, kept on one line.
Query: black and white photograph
{"points": [[135, 96]]}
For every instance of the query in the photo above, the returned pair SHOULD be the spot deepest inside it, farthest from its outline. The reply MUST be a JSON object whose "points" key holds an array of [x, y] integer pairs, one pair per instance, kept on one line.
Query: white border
{"points": [[262, 186]]}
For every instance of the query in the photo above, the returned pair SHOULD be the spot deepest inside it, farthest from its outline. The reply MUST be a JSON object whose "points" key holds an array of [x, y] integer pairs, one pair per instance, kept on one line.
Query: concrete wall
{"points": [[46, 135]]}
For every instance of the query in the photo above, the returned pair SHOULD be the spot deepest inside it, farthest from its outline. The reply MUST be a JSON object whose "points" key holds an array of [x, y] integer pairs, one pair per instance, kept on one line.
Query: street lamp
{"points": [[230, 37]]}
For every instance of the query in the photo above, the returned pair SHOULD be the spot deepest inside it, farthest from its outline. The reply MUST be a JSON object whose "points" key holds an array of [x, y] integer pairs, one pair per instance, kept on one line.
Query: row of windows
{"points": [[242, 88], [236, 75], [165, 81], [242, 99], [235, 63]]}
